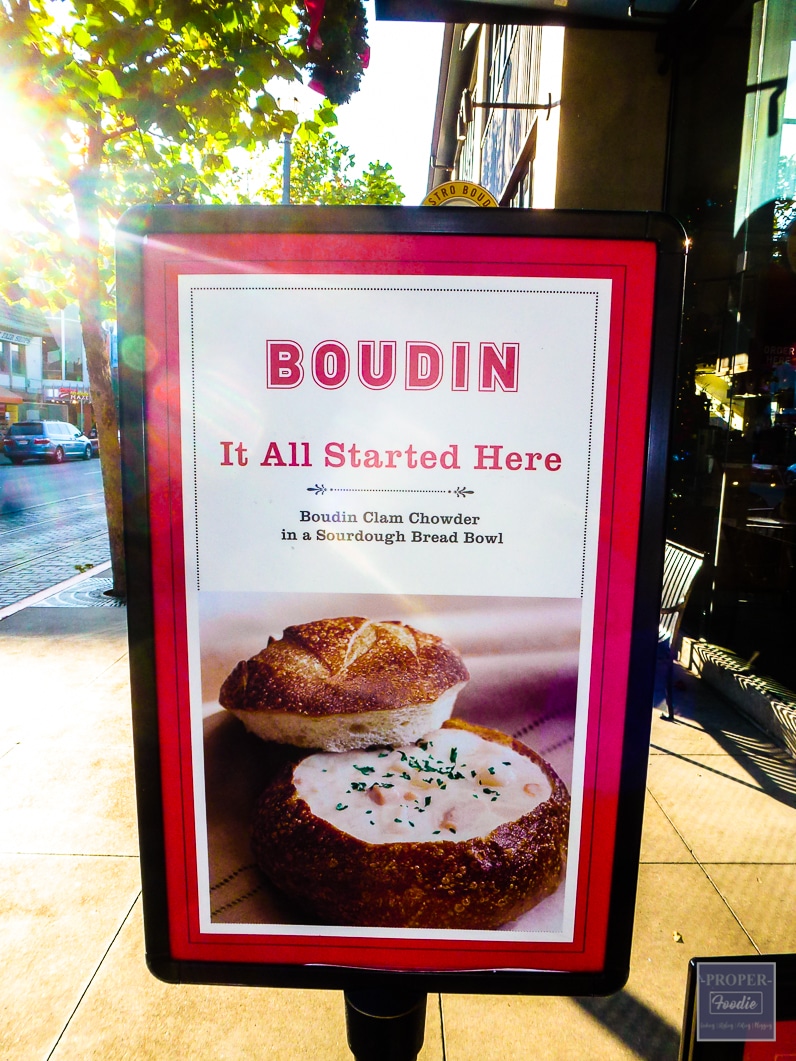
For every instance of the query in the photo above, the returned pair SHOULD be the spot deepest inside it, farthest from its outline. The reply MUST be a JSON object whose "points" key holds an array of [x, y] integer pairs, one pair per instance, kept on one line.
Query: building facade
{"points": [[42, 366], [694, 116]]}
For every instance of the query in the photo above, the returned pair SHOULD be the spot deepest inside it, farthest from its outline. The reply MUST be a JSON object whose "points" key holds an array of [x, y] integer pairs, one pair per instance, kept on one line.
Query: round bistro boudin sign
{"points": [[459, 193]]}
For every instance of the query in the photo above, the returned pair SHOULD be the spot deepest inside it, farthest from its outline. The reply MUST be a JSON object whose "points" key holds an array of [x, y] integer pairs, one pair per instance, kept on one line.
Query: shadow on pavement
{"points": [[768, 765], [634, 1024]]}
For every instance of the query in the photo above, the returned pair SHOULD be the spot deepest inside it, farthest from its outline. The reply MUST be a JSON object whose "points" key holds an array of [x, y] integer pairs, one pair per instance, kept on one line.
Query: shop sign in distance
{"points": [[459, 193]]}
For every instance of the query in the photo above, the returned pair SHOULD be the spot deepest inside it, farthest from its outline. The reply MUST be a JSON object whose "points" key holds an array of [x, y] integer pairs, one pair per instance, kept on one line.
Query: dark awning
{"points": [[583, 13]]}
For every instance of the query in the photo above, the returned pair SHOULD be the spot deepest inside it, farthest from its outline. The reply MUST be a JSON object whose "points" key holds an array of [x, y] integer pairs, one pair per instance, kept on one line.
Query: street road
{"points": [[52, 525]]}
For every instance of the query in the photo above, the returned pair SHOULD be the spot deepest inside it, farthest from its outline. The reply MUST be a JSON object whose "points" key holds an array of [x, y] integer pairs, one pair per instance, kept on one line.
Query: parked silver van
{"points": [[45, 440]]}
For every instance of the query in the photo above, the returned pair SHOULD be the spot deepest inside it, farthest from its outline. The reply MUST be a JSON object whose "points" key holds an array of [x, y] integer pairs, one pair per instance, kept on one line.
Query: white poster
{"points": [[421, 456]]}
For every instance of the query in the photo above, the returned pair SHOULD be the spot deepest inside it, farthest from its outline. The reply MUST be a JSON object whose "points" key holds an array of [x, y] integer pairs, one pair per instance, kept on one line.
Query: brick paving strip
{"points": [[44, 596], [37, 553]]}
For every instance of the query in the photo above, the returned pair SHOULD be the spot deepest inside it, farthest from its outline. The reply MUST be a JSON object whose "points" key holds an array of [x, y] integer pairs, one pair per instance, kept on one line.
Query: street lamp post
{"points": [[287, 141]]}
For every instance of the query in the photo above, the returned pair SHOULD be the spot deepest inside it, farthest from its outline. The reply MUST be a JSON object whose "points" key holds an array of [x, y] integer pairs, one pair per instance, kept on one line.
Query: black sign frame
{"points": [[137, 230]]}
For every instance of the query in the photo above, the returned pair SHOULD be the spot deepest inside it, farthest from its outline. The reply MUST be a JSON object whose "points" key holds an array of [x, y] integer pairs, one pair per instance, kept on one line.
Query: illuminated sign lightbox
{"points": [[394, 532]]}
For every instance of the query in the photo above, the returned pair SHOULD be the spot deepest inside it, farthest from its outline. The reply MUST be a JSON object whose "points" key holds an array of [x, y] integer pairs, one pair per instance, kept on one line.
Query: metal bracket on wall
{"points": [[469, 104]]}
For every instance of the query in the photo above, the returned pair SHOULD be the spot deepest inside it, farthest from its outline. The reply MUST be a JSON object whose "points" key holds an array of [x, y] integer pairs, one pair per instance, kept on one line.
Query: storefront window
{"points": [[52, 367], [768, 152], [734, 458], [18, 359]]}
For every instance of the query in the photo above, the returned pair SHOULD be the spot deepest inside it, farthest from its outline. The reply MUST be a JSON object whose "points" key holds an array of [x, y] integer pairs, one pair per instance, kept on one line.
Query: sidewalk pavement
{"points": [[717, 877]]}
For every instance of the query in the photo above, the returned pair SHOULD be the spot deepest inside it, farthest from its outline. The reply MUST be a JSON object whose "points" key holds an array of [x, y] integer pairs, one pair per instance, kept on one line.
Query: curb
{"points": [[37, 598]]}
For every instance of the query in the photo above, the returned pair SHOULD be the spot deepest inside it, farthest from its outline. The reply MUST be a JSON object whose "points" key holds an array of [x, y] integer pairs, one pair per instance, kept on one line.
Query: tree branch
{"points": [[125, 130]]}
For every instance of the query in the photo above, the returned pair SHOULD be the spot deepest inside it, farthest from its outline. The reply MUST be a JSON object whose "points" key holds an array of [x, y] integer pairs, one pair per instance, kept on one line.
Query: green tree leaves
{"points": [[322, 173]]}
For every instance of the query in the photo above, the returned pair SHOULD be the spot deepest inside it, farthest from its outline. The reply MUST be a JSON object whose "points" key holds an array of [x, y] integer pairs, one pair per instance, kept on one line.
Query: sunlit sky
{"points": [[389, 120], [21, 156]]}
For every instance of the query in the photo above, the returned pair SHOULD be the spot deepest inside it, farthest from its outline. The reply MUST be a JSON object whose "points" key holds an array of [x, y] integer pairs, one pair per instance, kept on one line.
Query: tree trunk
{"points": [[83, 187]]}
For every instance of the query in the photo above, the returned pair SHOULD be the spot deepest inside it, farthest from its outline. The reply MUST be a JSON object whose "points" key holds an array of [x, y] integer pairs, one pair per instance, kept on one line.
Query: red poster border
{"points": [[631, 266]]}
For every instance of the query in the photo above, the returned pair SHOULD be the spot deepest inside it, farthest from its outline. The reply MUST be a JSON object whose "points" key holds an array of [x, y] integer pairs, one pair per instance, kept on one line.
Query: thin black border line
{"points": [[594, 294], [426, 290], [193, 436], [591, 435]]}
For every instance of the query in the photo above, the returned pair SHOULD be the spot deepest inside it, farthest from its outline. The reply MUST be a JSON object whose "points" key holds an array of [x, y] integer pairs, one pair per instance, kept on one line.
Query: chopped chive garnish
{"points": [[435, 833], [365, 769], [397, 820], [426, 801], [491, 769], [341, 806], [454, 755]]}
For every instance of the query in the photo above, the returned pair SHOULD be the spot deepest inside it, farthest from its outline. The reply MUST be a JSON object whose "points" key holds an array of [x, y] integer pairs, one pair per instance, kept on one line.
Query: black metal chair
{"points": [[680, 567]]}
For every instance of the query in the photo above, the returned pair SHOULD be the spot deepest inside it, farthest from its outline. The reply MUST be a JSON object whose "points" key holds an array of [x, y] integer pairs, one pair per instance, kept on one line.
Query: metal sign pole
{"points": [[385, 1025]]}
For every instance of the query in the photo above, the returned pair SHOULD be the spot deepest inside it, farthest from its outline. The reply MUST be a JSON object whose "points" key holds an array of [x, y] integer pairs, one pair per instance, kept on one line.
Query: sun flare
{"points": [[22, 162]]}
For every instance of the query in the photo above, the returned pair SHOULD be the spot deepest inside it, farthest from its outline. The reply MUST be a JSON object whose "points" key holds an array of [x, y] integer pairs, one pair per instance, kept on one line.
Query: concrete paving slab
{"points": [[719, 792], [643, 1020], [720, 809], [660, 841], [96, 712], [515, 1028], [152, 1021], [679, 914], [52, 652], [66, 778], [691, 737], [67, 800], [31, 665], [99, 624], [57, 917], [764, 899]]}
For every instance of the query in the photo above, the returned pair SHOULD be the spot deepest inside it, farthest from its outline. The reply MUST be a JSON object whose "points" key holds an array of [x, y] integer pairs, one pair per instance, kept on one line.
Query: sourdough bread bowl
{"points": [[344, 683], [466, 829]]}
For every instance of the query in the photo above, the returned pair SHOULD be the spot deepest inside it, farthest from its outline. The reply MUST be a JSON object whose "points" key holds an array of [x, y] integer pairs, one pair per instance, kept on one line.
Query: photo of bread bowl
{"points": [[466, 829], [521, 657]]}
